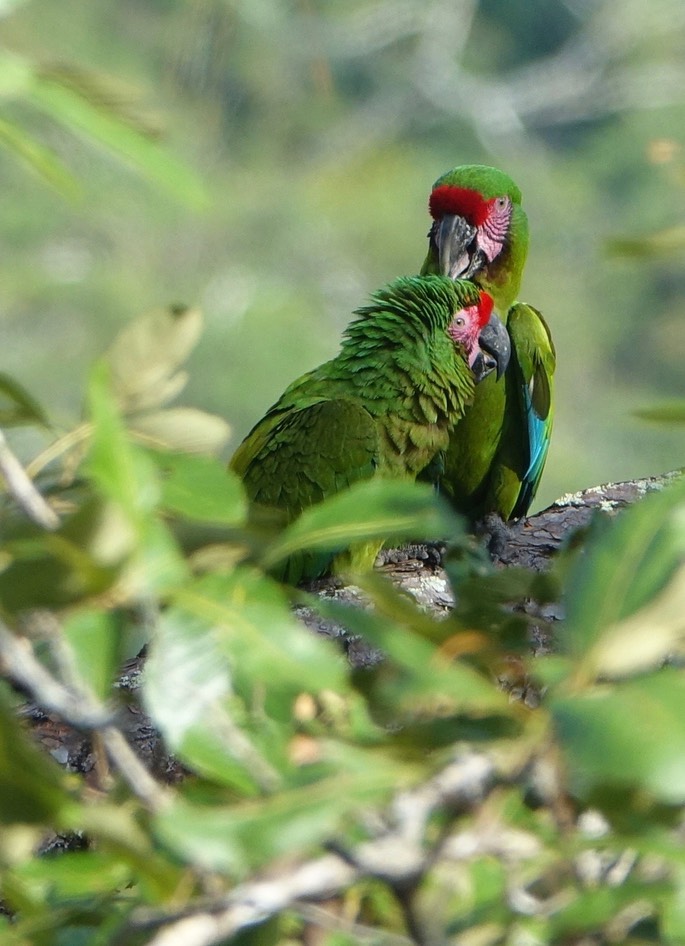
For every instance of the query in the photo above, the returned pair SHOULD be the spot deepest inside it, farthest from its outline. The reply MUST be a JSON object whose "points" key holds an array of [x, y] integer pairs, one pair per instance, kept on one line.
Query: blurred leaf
{"points": [[108, 94], [22, 408], [181, 428], [187, 690], [117, 827], [82, 558], [645, 638], [663, 243], [72, 875], [670, 413], [591, 910], [417, 677], [95, 120], [257, 632], [623, 567], [16, 74], [248, 834], [31, 784], [630, 735], [39, 158], [147, 354], [201, 488], [124, 473], [157, 568], [94, 640], [373, 509]]}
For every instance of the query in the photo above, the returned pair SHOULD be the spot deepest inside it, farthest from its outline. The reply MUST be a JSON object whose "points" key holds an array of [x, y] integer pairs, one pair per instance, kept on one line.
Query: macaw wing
{"points": [[308, 453], [533, 362]]}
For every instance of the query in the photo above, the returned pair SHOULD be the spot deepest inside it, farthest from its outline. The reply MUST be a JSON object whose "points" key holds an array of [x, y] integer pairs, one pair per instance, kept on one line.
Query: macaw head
{"points": [[479, 230], [482, 337]]}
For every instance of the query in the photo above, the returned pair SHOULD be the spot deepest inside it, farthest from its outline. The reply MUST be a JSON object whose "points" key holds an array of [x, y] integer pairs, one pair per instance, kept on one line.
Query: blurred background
{"points": [[317, 128]]}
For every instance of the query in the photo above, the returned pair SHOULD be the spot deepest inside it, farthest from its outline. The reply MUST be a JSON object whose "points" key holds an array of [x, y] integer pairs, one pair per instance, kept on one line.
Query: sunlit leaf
{"points": [[419, 678], [16, 74], [146, 356], [201, 488], [255, 628], [645, 638], [93, 636], [374, 509], [625, 565], [187, 691], [181, 428], [629, 735], [74, 874], [237, 838], [123, 472]]}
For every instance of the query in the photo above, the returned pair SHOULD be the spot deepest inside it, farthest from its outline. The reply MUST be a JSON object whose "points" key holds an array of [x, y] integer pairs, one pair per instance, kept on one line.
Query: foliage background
{"points": [[317, 129]]}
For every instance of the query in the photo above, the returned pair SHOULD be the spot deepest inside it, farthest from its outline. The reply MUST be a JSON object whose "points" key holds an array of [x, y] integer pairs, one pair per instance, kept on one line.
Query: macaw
{"points": [[496, 455], [384, 406]]}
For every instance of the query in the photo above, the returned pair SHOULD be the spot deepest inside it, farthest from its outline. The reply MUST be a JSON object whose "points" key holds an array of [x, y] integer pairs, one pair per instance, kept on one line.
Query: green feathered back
{"points": [[383, 406]]}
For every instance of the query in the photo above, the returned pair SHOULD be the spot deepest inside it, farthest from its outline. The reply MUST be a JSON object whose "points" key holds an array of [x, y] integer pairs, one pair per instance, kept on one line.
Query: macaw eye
{"points": [[460, 322], [501, 203]]}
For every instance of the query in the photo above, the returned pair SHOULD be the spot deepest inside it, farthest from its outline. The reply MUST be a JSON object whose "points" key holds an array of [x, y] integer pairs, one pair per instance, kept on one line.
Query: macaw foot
{"points": [[412, 556], [494, 533]]}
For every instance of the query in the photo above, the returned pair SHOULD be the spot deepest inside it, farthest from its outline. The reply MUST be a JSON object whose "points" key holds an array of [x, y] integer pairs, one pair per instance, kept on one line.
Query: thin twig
{"points": [[20, 486], [462, 784], [80, 709]]}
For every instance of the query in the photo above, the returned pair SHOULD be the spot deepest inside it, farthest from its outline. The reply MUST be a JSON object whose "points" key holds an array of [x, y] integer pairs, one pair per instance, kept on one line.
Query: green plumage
{"points": [[383, 406], [496, 456]]}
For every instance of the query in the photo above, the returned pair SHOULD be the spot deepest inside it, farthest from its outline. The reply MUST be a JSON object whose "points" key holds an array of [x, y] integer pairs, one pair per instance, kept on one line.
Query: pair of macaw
{"points": [[400, 399]]}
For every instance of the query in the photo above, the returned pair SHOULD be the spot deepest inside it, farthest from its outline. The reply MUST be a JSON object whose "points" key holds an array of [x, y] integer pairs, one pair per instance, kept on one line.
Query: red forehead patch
{"points": [[460, 201], [484, 309]]}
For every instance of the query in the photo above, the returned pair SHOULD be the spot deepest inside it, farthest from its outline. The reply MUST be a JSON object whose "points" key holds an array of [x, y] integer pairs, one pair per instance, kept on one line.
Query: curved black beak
{"points": [[453, 237], [495, 350]]}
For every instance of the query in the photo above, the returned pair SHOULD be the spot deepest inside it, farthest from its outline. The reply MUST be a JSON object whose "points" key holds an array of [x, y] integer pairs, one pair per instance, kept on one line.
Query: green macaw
{"points": [[384, 406], [495, 457]]}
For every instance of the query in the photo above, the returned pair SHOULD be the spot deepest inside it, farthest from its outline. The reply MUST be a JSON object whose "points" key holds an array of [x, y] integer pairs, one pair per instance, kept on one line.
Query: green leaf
{"points": [[256, 630], [374, 509], [39, 158], [239, 837], [630, 735], [202, 489], [672, 412], [647, 637], [93, 636], [417, 678], [16, 75], [82, 558], [146, 356], [185, 429], [187, 691], [98, 123], [22, 408], [72, 875], [123, 472], [31, 784], [667, 242], [623, 567]]}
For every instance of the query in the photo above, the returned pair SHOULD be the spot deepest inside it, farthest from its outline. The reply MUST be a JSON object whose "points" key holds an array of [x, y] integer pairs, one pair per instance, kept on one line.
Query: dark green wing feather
{"points": [[298, 457], [308, 453], [532, 364]]}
